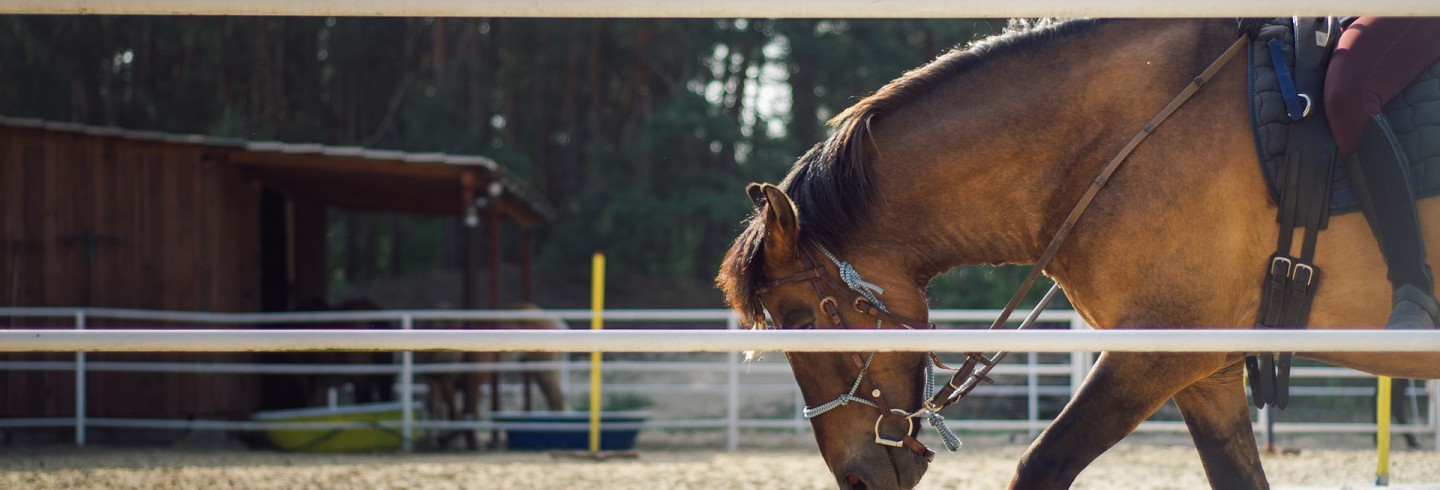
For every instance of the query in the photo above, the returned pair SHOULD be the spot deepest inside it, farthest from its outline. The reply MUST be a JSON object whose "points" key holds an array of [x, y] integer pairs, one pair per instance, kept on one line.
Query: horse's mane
{"points": [[833, 185]]}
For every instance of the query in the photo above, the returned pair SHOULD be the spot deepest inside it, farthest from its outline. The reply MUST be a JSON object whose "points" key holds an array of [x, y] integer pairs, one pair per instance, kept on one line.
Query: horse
{"points": [[976, 158], [312, 390], [456, 396]]}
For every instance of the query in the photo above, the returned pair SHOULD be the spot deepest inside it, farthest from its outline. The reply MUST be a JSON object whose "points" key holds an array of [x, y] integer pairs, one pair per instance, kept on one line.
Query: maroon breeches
{"points": [[1375, 59]]}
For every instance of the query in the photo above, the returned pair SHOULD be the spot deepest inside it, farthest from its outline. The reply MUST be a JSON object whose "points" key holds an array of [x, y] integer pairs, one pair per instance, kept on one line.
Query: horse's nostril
{"points": [[855, 482]]}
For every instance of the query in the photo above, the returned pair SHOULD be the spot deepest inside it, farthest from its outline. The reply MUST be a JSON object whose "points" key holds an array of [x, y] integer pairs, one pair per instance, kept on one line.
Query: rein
{"points": [[967, 377], [977, 366]]}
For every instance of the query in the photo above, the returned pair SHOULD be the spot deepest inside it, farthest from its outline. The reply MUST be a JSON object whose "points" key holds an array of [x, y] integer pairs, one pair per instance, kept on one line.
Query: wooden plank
{"points": [[128, 219], [13, 240]]}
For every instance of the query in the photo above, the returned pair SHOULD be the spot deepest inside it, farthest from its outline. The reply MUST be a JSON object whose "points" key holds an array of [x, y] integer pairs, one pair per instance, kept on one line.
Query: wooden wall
{"points": [[178, 230]]}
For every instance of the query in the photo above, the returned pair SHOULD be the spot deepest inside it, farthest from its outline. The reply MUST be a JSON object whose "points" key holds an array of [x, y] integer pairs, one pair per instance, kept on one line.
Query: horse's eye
{"points": [[800, 321]]}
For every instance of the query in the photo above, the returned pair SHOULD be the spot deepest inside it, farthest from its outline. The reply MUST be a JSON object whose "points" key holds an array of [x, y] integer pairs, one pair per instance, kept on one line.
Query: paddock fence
{"points": [[686, 362], [730, 9]]}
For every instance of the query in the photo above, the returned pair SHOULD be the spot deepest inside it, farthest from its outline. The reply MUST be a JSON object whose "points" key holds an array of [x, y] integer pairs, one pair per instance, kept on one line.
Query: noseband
{"points": [[864, 300], [977, 366]]}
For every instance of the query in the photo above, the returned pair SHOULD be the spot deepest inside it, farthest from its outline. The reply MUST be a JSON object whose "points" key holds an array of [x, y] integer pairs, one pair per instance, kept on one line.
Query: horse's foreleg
{"points": [[471, 407], [1218, 415], [1122, 390], [549, 379], [441, 402]]}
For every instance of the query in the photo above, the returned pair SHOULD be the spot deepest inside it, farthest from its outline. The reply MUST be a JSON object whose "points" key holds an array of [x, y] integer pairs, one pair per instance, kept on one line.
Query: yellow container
{"points": [[371, 437]]}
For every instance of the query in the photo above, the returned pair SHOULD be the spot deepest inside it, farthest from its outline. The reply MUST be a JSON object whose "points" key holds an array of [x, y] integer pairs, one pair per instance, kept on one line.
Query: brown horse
{"points": [[311, 390], [455, 396], [976, 158]]}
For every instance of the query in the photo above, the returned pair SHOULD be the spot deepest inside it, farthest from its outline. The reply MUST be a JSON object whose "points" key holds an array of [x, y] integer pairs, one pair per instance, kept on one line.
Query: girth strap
{"points": [[1290, 282]]}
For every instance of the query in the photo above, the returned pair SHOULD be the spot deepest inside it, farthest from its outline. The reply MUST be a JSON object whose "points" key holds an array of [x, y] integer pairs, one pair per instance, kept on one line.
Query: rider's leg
{"points": [[1383, 173], [1376, 58]]}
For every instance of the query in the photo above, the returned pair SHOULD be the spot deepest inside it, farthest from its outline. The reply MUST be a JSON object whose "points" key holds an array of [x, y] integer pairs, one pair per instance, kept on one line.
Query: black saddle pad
{"points": [[1414, 115]]}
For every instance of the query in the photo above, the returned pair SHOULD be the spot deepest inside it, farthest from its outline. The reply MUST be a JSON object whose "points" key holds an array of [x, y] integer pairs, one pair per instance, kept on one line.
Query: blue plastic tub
{"points": [[544, 431]]}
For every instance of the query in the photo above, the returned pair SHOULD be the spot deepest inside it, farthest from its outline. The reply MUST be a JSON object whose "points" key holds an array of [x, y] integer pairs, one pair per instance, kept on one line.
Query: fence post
{"points": [[80, 385], [407, 390], [1262, 419], [1431, 388], [1032, 396], [1079, 361], [732, 397], [800, 406]]}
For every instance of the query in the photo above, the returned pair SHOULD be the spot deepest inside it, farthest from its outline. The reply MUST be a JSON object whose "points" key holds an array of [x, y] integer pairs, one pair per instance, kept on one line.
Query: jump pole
{"points": [[1382, 430], [597, 322]]}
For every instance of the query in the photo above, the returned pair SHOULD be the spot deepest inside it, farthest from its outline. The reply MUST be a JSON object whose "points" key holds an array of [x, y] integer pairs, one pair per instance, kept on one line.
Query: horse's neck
{"points": [[1007, 152]]}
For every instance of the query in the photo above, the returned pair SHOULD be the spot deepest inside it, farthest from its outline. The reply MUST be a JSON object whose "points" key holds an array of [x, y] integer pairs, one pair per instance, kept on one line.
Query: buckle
{"points": [[1280, 261], [1309, 272], [909, 428], [832, 310]]}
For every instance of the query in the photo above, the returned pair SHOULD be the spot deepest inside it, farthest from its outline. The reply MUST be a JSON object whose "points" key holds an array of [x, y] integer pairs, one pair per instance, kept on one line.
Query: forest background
{"points": [[642, 133]]}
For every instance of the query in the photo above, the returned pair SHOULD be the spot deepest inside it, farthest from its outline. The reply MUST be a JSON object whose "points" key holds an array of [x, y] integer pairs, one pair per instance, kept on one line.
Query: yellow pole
{"points": [[1382, 430], [597, 322]]}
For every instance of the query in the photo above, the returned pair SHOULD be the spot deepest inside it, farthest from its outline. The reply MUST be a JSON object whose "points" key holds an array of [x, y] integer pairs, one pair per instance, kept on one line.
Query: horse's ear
{"points": [[782, 223], [757, 194]]}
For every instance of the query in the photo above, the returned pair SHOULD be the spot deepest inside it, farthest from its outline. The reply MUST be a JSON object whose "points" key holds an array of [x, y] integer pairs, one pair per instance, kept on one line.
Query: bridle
{"points": [[976, 367], [864, 300]]}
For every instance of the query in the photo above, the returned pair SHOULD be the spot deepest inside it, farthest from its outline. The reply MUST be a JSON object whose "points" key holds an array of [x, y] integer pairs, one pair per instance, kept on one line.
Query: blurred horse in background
{"points": [[455, 396], [312, 390]]}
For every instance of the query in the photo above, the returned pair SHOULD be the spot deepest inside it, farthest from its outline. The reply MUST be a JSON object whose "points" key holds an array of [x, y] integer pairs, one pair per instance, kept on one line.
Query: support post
{"points": [[732, 393], [407, 390], [1270, 446], [467, 242], [1382, 430], [80, 385], [1267, 428], [597, 322], [1079, 361], [1032, 395], [527, 265], [1432, 387], [493, 212]]}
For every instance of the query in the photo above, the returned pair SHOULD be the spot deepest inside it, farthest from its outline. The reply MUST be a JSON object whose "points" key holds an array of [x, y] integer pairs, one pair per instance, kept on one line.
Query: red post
{"points": [[527, 266], [467, 242], [494, 211], [470, 380]]}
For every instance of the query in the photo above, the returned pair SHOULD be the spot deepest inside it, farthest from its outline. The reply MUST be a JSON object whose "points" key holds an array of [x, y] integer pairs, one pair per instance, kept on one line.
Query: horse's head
{"points": [[867, 441]]}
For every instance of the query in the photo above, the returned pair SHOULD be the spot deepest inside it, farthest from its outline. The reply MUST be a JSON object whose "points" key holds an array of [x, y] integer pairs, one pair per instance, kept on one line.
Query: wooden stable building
{"points": [[108, 217]]}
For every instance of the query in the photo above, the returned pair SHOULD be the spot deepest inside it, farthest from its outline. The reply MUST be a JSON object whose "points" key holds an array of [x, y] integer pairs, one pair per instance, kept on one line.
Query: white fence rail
{"points": [[1051, 381], [729, 9], [125, 340]]}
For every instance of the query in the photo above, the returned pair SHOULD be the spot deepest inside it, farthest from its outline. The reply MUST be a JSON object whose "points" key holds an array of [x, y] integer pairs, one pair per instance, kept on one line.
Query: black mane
{"points": [[833, 184]]}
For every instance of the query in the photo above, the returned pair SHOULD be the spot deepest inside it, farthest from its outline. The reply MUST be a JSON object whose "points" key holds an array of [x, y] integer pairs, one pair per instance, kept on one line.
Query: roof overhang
{"points": [[354, 177]]}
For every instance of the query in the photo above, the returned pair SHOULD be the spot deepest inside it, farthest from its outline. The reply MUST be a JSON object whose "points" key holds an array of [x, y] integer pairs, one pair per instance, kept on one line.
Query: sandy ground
{"points": [[664, 462]]}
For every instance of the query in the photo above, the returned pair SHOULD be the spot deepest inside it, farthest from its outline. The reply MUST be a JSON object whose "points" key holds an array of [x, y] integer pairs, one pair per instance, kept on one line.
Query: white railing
{"points": [[839, 340], [728, 9], [1031, 371]]}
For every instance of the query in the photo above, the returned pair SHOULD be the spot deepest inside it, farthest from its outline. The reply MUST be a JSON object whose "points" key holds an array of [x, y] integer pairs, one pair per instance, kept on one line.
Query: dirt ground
{"points": [[666, 461]]}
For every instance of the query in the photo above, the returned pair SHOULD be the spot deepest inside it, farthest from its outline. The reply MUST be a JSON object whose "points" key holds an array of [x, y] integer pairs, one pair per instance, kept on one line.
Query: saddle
{"points": [[1306, 179], [1414, 116]]}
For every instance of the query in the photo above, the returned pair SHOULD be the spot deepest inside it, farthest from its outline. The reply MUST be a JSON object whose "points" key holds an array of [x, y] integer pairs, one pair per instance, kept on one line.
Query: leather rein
{"points": [[976, 367]]}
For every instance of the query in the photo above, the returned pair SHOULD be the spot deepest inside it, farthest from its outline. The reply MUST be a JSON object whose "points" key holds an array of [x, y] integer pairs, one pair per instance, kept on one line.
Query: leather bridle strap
{"points": [[958, 387], [829, 287]]}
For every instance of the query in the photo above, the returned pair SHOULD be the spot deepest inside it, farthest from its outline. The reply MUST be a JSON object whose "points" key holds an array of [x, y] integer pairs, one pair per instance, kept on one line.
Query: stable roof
{"points": [[351, 176]]}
